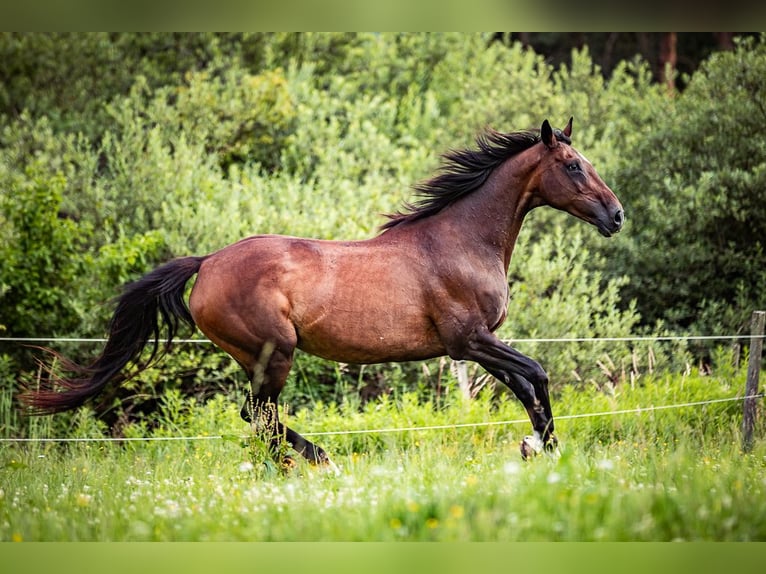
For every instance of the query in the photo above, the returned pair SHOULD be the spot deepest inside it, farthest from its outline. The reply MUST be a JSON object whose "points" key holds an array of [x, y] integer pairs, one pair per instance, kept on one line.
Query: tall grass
{"points": [[675, 474]]}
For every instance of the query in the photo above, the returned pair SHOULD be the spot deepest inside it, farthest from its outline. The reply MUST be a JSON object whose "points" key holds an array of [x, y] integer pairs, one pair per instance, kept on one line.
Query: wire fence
{"points": [[389, 430], [637, 410]]}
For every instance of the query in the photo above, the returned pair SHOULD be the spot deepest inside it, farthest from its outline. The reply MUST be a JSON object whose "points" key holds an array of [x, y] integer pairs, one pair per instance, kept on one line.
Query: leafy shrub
{"points": [[39, 255], [68, 77], [558, 291], [695, 248]]}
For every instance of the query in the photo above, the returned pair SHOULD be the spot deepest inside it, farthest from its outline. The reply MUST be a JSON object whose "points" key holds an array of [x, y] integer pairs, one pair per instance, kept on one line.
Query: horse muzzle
{"points": [[611, 224]]}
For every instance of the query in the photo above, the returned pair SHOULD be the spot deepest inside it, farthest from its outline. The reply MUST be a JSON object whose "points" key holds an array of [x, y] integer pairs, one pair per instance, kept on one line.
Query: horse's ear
{"points": [[568, 130], [546, 134]]}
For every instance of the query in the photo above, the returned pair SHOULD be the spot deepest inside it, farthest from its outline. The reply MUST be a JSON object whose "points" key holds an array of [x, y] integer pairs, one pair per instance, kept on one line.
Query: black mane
{"points": [[464, 171]]}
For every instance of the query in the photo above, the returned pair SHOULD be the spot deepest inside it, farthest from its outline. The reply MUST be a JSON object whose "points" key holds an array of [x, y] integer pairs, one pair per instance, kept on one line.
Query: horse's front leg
{"points": [[538, 409], [525, 377]]}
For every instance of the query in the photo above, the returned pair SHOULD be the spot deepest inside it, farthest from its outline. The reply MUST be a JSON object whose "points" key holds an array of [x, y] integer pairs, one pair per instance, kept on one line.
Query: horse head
{"points": [[569, 182]]}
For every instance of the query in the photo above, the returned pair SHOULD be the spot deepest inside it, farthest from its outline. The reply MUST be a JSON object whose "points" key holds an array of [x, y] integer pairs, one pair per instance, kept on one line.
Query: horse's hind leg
{"points": [[261, 405], [262, 339], [268, 415]]}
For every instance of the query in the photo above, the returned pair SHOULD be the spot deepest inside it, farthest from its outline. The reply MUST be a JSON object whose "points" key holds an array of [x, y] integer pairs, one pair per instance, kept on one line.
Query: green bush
{"points": [[558, 292], [40, 255], [69, 77], [692, 188]]}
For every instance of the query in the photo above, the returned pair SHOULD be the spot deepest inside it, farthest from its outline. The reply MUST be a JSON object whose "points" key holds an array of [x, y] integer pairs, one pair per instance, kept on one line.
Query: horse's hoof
{"points": [[532, 445], [330, 466], [552, 447]]}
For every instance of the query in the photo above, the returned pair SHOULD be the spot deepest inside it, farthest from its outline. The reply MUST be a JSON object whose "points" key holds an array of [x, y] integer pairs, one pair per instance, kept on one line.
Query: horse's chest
{"points": [[494, 305], [480, 296]]}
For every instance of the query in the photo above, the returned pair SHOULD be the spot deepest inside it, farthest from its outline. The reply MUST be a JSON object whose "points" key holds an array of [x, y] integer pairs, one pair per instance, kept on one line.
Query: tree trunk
{"points": [[668, 60], [725, 40]]}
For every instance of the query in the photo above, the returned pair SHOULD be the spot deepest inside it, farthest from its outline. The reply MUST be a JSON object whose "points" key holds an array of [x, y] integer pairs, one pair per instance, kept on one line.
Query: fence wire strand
{"points": [[637, 410], [636, 338]]}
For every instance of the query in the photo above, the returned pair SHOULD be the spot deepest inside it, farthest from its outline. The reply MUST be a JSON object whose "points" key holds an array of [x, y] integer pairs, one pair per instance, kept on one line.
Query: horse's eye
{"points": [[574, 166]]}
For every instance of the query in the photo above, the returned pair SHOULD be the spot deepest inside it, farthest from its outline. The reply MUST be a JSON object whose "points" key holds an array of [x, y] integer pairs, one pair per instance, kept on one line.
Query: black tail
{"points": [[144, 308]]}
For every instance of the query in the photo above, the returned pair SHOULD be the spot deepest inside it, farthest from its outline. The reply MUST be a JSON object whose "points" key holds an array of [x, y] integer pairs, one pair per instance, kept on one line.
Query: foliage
{"points": [[610, 49], [40, 255], [68, 77], [692, 188]]}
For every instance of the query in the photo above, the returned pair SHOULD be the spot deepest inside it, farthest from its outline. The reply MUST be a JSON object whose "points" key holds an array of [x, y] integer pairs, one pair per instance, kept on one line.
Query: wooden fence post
{"points": [[753, 373]]}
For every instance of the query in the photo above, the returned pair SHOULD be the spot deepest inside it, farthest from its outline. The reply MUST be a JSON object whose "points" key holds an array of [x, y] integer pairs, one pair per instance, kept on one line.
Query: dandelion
{"points": [[83, 500], [395, 523], [16, 537], [412, 506], [456, 511], [246, 466], [432, 523]]}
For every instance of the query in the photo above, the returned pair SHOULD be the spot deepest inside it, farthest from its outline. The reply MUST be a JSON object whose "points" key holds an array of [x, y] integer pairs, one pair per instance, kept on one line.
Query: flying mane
{"points": [[464, 171]]}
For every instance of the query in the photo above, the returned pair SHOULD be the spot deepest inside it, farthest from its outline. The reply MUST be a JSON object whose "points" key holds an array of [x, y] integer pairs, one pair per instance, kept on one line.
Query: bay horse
{"points": [[433, 282]]}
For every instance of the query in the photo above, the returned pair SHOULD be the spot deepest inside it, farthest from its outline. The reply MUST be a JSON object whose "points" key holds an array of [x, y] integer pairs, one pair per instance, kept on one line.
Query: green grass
{"points": [[676, 474]]}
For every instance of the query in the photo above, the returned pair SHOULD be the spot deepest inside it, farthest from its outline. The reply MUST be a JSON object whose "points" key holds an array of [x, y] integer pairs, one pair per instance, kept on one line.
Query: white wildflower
{"points": [[605, 464]]}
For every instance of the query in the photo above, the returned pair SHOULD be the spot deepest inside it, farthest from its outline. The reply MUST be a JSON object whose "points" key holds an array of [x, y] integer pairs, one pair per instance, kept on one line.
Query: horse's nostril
{"points": [[619, 218]]}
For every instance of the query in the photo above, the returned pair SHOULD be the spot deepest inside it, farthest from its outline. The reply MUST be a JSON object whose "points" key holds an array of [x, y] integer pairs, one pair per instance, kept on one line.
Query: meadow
{"points": [[647, 474]]}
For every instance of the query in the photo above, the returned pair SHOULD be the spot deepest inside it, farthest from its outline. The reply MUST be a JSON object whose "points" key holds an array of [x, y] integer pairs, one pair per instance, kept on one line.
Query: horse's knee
{"points": [[537, 375]]}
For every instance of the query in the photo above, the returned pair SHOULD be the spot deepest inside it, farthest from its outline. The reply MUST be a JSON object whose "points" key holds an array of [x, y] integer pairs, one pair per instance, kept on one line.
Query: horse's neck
{"points": [[488, 221]]}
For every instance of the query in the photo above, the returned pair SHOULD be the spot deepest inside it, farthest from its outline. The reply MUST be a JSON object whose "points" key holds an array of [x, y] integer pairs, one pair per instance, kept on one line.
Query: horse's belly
{"points": [[372, 337]]}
